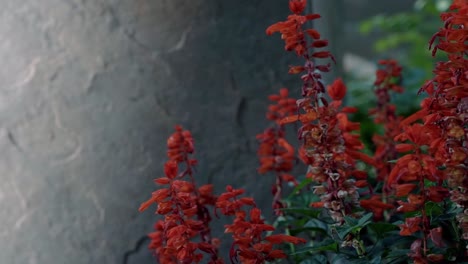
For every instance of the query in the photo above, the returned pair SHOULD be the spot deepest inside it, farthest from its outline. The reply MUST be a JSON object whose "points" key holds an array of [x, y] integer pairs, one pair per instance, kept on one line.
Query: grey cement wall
{"points": [[89, 91]]}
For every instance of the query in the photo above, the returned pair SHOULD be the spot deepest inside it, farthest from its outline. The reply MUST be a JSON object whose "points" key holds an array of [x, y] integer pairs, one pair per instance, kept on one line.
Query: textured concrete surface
{"points": [[89, 91]]}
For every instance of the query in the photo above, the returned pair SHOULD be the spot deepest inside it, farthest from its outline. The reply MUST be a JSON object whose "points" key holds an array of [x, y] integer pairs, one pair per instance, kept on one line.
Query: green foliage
{"points": [[403, 36], [360, 239], [409, 32]]}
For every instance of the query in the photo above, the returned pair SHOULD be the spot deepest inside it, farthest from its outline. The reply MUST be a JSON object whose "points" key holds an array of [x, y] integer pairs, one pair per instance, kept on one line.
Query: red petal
{"points": [[313, 33], [414, 117], [280, 238], [404, 189], [337, 90], [312, 16], [436, 236], [404, 147], [162, 181], [297, 6]]}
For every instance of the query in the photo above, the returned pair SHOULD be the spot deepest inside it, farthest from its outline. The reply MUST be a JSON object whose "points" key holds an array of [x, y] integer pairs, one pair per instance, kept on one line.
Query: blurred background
{"points": [[90, 90]]}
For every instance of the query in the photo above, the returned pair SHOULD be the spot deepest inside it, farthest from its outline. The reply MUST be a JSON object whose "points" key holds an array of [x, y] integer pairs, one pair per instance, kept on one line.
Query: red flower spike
{"points": [[183, 206], [250, 245]]}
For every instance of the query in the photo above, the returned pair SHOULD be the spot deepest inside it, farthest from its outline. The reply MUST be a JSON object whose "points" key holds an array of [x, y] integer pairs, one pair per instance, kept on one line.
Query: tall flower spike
{"points": [[443, 133], [329, 147], [183, 206], [250, 243], [447, 105], [275, 153], [388, 77]]}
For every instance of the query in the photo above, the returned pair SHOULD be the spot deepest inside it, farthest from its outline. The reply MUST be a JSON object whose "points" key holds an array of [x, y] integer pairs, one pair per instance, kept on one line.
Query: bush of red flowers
{"points": [[405, 202]]}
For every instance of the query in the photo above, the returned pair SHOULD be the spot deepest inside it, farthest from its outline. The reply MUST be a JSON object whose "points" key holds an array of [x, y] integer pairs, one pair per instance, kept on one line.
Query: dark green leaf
{"points": [[350, 221], [326, 245], [381, 228], [312, 212], [342, 232], [315, 259], [300, 186], [365, 219]]}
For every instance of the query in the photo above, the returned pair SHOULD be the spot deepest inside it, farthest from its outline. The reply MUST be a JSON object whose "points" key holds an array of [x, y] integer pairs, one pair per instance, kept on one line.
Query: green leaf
{"points": [[344, 231], [311, 212], [296, 231], [316, 223], [315, 259], [381, 228], [365, 219], [433, 209], [312, 225], [398, 253], [366, 27], [376, 260], [300, 186], [351, 221], [322, 247]]}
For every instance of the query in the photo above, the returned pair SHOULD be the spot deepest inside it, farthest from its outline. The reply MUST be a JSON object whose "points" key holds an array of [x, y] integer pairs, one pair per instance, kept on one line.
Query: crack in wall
{"points": [[13, 141], [138, 245], [240, 112]]}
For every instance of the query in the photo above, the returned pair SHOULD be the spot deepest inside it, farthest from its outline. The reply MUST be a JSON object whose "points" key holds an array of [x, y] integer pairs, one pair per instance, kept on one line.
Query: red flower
{"points": [[337, 89], [283, 105], [183, 206], [437, 193], [250, 244], [411, 226], [292, 32], [375, 205], [297, 6], [278, 239], [436, 236], [404, 189]]}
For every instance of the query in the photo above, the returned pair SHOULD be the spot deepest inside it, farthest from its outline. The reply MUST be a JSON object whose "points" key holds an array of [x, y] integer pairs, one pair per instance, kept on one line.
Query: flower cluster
{"points": [[250, 244], [184, 235], [329, 145], [184, 207], [387, 80], [438, 145], [447, 106], [275, 153]]}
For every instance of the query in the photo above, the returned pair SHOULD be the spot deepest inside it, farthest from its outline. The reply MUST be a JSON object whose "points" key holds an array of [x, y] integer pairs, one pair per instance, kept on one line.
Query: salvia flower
{"points": [[274, 152], [438, 146], [248, 229], [329, 146], [184, 235]]}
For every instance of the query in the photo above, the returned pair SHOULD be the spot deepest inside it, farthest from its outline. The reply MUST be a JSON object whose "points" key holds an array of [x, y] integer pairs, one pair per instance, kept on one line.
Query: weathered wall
{"points": [[89, 91]]}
